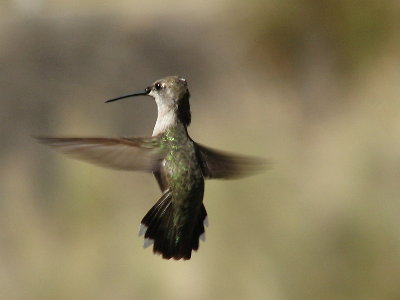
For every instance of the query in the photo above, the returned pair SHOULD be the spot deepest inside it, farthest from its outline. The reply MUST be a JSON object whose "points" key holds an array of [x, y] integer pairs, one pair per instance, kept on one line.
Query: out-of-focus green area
{"points": [[312, 85]]}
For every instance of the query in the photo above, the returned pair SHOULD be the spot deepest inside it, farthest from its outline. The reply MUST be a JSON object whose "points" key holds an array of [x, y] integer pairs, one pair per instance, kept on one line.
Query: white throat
{"points": [[165, 119]]}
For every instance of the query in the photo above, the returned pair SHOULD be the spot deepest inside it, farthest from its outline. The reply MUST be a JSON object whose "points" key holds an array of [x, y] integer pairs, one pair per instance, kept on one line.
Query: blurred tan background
{"points": [[312, 85]]}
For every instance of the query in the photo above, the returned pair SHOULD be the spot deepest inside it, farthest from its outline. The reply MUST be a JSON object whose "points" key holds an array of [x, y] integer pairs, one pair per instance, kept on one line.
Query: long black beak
{"points": [[146, 92]]}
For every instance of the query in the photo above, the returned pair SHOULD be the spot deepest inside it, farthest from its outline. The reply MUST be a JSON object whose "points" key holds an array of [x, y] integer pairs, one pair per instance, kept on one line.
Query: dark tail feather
{"points": [[169, 241]]}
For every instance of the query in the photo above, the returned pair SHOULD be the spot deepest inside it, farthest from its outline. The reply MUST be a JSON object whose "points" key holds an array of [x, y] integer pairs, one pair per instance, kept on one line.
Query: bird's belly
{"points": [[184, 178]]}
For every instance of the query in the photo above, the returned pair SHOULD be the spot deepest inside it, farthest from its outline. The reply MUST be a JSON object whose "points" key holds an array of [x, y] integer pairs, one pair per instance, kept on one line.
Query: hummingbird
{"points": [[176, 223]]}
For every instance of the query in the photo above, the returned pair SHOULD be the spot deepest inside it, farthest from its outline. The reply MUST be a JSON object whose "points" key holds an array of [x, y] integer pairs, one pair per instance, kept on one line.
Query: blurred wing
{"points": [[217, 164], [120, 153]]}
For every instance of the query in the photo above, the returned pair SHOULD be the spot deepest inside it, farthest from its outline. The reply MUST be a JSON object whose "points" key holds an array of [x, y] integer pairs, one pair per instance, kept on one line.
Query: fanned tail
{"points": [[169, 240]]}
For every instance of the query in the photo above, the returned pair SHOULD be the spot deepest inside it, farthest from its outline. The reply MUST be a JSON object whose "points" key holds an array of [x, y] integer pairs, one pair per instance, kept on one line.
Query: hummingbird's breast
{"points": [[180, 170]]}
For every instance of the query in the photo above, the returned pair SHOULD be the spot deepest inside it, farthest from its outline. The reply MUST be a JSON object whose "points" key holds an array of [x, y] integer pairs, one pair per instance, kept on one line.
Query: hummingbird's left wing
{"points": [[222, 165], [119, 153]]}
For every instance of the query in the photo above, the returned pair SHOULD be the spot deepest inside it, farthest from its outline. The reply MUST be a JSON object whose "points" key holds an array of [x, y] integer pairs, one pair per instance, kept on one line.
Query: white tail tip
{"points": [[142, 229], [148, 242]]}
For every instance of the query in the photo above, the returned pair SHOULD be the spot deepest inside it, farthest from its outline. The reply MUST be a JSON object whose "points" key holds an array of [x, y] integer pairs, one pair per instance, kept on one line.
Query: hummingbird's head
{"points": [[169, 90], [171, 95]]}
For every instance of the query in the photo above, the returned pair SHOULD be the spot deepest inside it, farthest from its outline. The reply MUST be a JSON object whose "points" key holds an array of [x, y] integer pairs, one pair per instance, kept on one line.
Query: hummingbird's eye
{"points": [[158, 86]]}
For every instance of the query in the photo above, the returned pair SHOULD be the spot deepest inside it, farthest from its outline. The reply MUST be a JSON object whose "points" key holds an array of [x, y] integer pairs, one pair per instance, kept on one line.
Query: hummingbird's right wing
{"points": [[119, 153], [221, 165]]}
